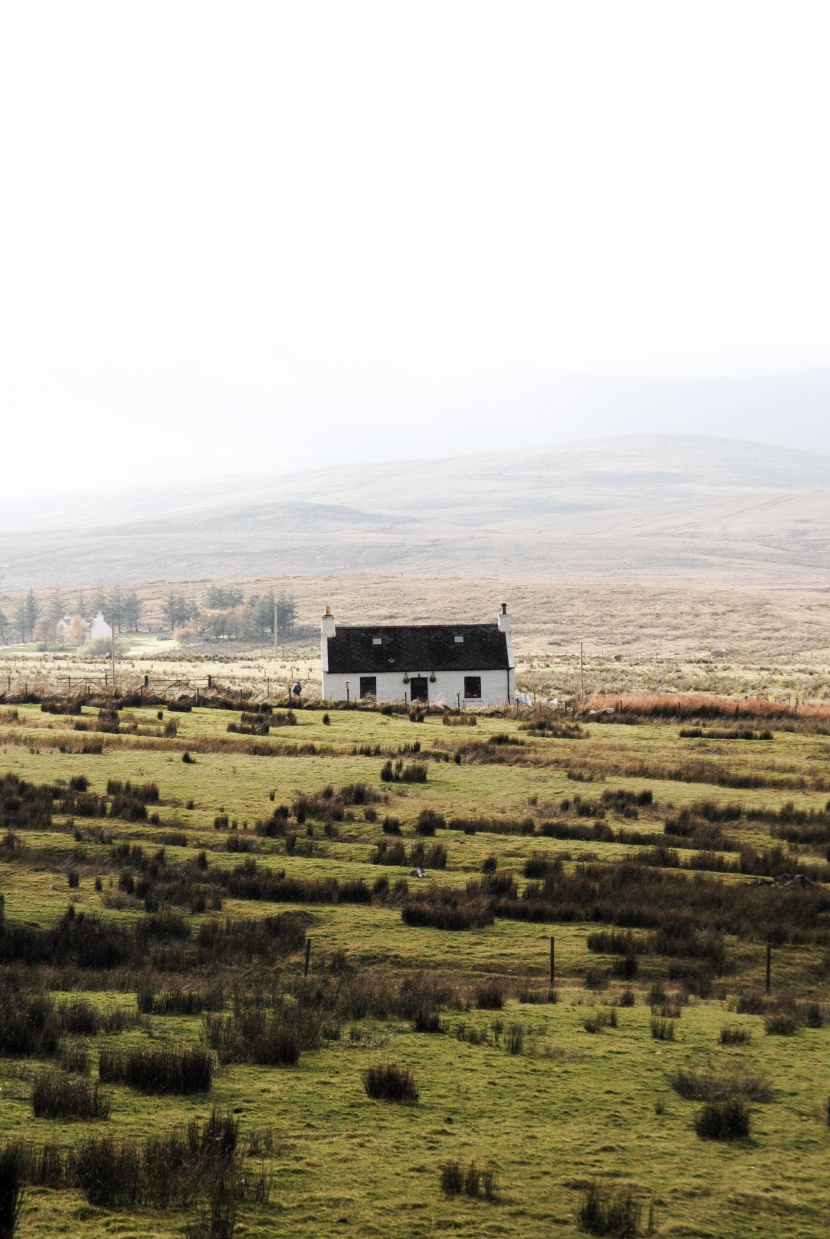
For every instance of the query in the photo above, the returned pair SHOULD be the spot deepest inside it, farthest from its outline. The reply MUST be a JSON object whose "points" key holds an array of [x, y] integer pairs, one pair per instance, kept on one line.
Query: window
{"points": [[377, 641], [459, 638], [368, 686], [472, 686]]}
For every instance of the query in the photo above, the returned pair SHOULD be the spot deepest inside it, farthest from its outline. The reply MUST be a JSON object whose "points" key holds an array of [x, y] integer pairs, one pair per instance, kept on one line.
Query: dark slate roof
{"points": [[425, 648]]}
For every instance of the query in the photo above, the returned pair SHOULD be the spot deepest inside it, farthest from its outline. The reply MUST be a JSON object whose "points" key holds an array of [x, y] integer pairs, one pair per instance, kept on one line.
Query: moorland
{"points": [[272, 967]]}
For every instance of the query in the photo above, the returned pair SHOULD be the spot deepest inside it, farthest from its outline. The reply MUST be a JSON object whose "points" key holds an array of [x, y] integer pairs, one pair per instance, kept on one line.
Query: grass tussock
{"points": [[734, 1034], [59, 1096], [269, 1038], [390, 1082], [12, 1190], [469, 1179], [713, 1084], [728, 1119], [171, 1070], [609, 1209]]}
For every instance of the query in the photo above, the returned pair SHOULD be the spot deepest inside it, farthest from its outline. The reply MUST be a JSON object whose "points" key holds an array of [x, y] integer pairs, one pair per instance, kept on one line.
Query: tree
{"points": [[80, 604], [56, 607], [219, 599], [78, 631], [177, 610], [21, 626], [4, 629], [99, 601], [260, 617], [115, 607], [32, 610], [44, 632], [286, 614], [132, 611]]}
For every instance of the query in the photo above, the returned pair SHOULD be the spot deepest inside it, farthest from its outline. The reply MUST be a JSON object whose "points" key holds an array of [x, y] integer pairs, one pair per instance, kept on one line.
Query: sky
{"points": [[243, 237]]}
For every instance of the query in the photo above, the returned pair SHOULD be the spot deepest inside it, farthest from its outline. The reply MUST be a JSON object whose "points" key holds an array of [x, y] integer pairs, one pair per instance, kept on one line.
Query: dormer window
{"points": [[377, 640], [459, 638]]}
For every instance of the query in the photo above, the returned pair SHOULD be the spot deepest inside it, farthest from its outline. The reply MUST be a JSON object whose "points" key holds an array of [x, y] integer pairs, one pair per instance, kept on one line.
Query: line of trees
{"points": [[36, 619], [226, 613]]}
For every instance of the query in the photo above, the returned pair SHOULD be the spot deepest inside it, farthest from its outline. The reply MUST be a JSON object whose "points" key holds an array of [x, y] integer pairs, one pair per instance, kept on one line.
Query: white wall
{"points": [[497, 687]]}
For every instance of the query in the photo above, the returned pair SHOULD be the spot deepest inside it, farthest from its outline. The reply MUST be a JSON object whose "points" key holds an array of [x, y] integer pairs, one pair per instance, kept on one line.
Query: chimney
{"points": [[327, 628], [504, 619]]}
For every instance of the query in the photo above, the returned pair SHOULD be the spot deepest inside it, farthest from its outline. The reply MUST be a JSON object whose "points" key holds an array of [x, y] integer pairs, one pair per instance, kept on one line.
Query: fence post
{"points": [[307, 956], [552, 960]]}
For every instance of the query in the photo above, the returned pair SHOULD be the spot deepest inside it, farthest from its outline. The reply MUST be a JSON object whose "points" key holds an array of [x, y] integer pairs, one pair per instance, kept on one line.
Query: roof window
{"points": [[377, 640], [459, 638]]}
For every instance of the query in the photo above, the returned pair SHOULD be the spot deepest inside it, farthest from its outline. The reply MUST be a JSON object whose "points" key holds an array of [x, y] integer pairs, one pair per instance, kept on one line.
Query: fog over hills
{"points": [[635, 507]]}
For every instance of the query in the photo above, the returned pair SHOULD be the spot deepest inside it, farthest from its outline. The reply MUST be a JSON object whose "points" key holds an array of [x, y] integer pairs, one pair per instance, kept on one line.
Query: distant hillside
{"points": [[637, 507]]}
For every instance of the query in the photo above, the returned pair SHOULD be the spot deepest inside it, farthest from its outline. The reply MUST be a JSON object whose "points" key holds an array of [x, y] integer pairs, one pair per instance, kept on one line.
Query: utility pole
{"points": [[112, 650], [581, 673], [276, 625]]}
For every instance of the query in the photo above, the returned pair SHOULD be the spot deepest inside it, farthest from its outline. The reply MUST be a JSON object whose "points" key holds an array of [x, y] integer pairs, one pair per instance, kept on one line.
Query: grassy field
{"points": [[550, 1096]]}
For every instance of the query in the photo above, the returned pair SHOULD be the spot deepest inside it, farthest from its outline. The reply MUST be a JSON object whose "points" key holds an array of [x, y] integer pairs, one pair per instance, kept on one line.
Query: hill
{"points": [[635, 507]]}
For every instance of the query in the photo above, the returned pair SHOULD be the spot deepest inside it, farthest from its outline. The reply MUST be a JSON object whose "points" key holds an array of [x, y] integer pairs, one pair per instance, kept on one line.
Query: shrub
{"points": [[537, 996], [164, 1171], [269, 1038], [58, 1096], [75, 1058], [425, 1021], [708, 1085], [390, 1082], [11, 1190], [662, 1030], [490, 996], [28, 1024], [514, 1039], [416, 772], [188, 1070], [781, 1024], [458, 1178], [179, 1001], [609, 1209], [447, 909], [723, 1120], [391, 826], [734, 1035], [428, 822]]}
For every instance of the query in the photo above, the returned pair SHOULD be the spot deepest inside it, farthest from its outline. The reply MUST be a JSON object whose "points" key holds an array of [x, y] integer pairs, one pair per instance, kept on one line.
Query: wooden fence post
{"points": [[307, 956]]}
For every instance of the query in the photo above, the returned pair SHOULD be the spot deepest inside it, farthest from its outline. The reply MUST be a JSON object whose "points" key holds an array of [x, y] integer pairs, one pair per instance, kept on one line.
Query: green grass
{"points": [[572, 1108]]}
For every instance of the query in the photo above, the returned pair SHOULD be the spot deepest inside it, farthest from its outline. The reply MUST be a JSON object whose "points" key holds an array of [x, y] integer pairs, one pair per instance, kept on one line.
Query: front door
{"points": [[419, 688]]}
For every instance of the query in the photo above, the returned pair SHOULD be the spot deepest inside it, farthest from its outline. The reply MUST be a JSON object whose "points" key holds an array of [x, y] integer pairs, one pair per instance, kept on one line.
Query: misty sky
{"points": [[245, 237]]}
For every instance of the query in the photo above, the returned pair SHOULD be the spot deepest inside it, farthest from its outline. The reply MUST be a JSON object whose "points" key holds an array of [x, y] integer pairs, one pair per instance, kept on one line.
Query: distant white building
{"points": [[460, 665], [99, 629], [96, 629]]}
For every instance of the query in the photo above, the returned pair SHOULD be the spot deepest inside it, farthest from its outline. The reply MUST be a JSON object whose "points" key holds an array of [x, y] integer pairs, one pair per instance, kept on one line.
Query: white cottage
{"points": [[460, 665]]}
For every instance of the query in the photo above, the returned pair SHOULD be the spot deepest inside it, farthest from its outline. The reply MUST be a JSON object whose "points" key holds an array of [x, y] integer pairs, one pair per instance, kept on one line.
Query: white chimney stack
{"points": [[504, 619], [327, 627]]}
